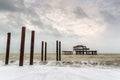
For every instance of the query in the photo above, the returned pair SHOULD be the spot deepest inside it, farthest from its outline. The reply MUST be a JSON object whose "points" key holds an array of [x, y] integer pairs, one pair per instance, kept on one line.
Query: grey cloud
{"points": [[110, 13], [46, 28], [116, 3], [53, 31], [15, 20], [80, 13], [11, 5], [110, 18], [7, 5], [112, 24], [38, 23], [16, 6]]}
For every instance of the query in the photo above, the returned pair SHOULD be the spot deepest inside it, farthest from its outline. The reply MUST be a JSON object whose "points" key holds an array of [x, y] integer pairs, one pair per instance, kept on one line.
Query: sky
{"points": [[93, 23]]}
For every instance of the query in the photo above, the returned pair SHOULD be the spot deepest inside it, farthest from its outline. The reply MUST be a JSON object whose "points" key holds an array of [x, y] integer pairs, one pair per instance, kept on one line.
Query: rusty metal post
{"points": [[32, 47], [42, 50], [59, 51], [92, 52], [8, 48], [22, 46], [95, 52], [45, 51]]}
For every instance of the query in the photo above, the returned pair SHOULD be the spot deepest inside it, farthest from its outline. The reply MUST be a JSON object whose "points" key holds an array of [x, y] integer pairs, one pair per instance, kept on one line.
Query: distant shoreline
{"points": [[73, 54], [99, 57]]}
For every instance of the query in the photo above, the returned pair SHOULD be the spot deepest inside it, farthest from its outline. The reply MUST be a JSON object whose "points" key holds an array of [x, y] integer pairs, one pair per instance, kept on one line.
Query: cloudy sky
{"points": [[94, 23]]}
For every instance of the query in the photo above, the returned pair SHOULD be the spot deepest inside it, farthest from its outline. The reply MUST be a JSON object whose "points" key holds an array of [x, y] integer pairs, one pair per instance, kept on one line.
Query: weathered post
{"points": [[22, 46], [92, 52], [45, 51], [59, 51], [42, 50], [32, 47], [95, 52], [8, 48]]}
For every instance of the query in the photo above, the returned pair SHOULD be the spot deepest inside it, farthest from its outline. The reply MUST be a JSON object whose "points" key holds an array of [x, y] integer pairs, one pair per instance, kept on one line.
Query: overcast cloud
{"points": [[94, 23]]}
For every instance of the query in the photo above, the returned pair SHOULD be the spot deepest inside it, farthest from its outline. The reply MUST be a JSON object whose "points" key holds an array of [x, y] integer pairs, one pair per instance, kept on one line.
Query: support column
{"points": [[32, 47], [8, 48], [45, 51], [42, 50], [59, 51], [22, 46]]}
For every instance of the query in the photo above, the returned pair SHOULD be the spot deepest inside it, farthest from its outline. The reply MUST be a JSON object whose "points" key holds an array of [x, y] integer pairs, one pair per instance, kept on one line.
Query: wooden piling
{"points": [[32, 47], [45, 51], [42, 50], [8, 48], [22, 46], [59, 51]]}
